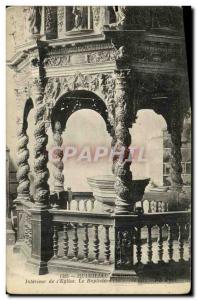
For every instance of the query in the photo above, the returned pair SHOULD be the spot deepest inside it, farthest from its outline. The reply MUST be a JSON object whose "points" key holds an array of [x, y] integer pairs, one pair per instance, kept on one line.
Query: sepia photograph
{"points": [[98, 150]]}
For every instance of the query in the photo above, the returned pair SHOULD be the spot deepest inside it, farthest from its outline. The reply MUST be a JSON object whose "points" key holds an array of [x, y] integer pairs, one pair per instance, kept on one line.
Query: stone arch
{"points": [[148, 145], [73, 101]]}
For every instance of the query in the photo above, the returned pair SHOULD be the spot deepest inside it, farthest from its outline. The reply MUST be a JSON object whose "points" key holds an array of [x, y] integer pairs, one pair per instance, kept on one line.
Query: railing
{"points": [[152, 240], [81, 201], [137, 243], [82, 239], [147, 243]]}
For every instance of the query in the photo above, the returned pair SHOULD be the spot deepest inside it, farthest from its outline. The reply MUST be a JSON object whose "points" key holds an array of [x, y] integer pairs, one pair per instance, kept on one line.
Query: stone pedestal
{"points": [[41, 241]]}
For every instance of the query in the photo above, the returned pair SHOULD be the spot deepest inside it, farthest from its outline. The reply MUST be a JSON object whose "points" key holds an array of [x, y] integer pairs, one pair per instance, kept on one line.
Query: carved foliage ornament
{"points": [[103, 83]]}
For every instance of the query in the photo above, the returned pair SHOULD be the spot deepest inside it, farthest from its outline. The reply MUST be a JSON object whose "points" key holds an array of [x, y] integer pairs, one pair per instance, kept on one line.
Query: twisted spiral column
{"points": [[123, 180], [176, 156], [57, 162], [22, 163], [40, 153]]}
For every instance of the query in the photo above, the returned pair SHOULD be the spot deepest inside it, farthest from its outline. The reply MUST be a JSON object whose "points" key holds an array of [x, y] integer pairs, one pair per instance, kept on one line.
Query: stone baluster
{"points": [[22, 163], [107, 251], [41, 155], [170, 243], [26, 229], [86, 244], [149, 244], [85, 205], [77, 204], [69, 198], [96, 244], [75, 242], [181, 242], [160, 244], [66, 240], [57, 161], [92, 204], [55, 241], [138, 245], [121, 162]]}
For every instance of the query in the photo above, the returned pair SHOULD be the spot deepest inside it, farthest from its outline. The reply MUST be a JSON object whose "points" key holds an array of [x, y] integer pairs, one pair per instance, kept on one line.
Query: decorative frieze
{"points": [[101, 56], [57, 61]]}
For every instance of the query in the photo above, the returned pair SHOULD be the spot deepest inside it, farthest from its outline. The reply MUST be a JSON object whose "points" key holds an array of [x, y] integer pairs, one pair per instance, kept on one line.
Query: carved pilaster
{"points": [[121, 163], [58, 163], [51, 21], [23, 165], [41, 155]]}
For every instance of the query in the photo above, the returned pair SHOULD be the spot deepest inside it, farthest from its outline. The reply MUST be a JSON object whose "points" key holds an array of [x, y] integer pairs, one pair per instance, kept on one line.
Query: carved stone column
{"points": [[58, 163], [123, 181], [176, 127], [58, 167], [40, 217], [40, 152], [23, 165]]}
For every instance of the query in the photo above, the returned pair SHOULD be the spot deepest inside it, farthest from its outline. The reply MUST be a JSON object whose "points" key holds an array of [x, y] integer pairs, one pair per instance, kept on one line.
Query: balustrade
{"points": [[82, 237], [86, 239], [82, 204], [158, 238], [153, 240]]}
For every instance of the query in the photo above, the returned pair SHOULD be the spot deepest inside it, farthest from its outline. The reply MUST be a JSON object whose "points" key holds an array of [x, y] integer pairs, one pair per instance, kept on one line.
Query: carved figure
{"points": [[80, 17], [34, 19]]}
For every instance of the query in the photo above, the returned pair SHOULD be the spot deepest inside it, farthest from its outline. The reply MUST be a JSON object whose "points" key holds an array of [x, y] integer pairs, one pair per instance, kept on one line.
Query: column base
{"points": [[123, 275], [17, 247]]}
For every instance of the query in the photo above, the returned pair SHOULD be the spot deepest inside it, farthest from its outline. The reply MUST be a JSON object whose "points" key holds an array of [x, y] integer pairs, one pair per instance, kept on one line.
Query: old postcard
{"points": [[98, 151]]}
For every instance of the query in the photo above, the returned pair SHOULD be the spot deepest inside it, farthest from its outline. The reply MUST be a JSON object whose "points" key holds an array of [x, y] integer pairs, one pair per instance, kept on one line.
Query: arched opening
{"points": [[85, 125], [76, 100], [147, 141], [85, 131]]}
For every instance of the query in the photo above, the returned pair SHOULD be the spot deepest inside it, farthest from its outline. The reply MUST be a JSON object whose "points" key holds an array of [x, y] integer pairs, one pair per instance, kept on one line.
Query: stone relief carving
{"points": [[101, 56], [123, 248], [34, 19], [59, 85], [51, 19], [55, 61], [104, 84], [60, 18], [96, 15]]}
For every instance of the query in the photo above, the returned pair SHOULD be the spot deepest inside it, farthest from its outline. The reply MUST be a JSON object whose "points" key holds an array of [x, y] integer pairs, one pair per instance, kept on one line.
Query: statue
{"points": [[34, 19], [80, 17], [120, 13]]}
